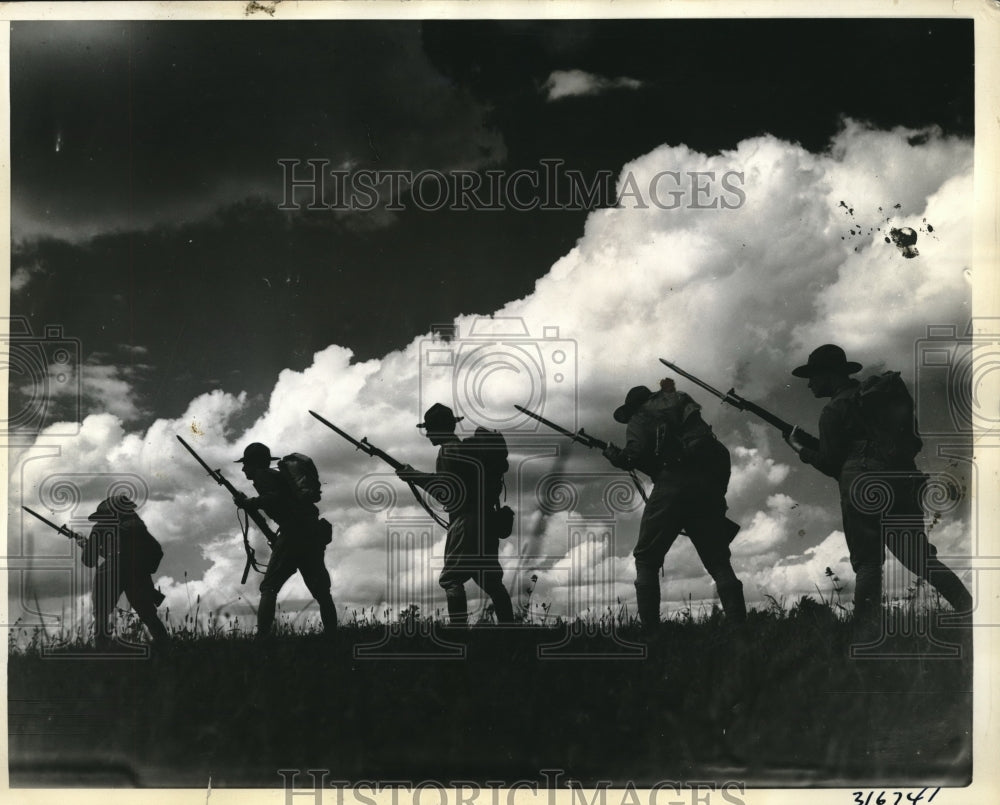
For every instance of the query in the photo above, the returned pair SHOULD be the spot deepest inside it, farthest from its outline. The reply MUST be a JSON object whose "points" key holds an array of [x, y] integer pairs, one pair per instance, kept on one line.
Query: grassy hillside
{"points": [[779, 702]]}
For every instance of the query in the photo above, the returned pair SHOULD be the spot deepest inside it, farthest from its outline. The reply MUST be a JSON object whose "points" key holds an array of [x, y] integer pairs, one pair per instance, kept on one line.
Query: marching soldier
{"points": [[471, 548], [667, 439], [125, 556], [850, 447], [300, 543]]}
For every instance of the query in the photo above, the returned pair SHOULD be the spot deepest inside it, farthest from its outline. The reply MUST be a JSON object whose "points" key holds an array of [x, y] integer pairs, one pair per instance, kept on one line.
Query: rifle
{"points": [[61, 529], [735, 400], [584, 438], [368, 448], [256, 516]]}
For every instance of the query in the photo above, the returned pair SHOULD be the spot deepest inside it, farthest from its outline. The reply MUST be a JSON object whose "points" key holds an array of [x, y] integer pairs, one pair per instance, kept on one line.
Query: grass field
{"points": [[780, 702]]}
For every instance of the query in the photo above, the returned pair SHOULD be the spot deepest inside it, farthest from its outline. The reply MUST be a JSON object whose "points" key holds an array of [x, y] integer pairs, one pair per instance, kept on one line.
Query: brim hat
{"points": [[437, 416], [256, 453], [827, 358], [637, 395], [113, 507]]}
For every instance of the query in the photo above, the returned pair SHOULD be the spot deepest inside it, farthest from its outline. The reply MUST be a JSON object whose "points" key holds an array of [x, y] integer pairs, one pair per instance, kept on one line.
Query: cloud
{"points": [[91, 387], [570, 83], [22, 275], [736, 295], [408, 116], [800, 574]]}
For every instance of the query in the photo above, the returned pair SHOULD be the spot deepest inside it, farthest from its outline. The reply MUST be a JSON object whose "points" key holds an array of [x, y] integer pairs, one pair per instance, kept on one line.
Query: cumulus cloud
{"points": [[802, 573], [570, 83], [737, 295]]}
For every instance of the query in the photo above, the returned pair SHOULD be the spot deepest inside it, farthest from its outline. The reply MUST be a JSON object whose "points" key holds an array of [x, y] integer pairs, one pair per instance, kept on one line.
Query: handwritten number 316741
{"points": [[893, 797]]}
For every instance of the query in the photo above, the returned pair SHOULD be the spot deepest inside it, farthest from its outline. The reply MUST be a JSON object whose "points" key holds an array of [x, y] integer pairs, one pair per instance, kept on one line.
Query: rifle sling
{"points": [[638, 485], [439, 520], [251, 554]]}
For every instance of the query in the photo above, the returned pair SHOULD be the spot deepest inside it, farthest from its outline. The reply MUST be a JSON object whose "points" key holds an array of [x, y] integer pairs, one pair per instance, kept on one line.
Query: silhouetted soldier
{"points": [[125, 555], [299, 545], [471, 549], [847, 450], [667, 439]]}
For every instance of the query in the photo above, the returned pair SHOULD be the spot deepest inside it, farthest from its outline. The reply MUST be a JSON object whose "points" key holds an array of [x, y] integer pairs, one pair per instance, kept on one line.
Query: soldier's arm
{"points": [[451, 477], [270, 490], [637, 450], [414, 476], [91, 556], [834, 443]]}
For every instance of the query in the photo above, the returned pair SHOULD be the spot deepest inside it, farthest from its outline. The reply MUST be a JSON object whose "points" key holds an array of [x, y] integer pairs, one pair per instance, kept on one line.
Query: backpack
{"points": [[489, 449], [148, 548], [154, 554], [885, 412], [302, 477], [686, 440]]}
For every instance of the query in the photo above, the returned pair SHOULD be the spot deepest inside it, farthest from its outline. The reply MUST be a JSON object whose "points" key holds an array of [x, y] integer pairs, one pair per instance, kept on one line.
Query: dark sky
{"points": [[146, 182]]}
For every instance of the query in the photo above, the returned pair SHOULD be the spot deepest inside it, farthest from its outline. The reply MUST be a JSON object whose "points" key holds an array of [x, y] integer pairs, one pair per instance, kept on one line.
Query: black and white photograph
{"points": [[466, 402]]}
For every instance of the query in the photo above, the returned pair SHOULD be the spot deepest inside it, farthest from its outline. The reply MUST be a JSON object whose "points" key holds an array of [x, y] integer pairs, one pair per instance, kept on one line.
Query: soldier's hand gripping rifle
{"points": [[61, 529], [584, 438], [368, 448], [253, 514], [735, 400]]}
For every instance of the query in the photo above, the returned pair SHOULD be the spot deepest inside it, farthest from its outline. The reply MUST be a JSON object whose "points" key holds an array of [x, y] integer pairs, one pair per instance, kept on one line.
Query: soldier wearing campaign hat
{"points": [[125, 556], [471, 549], [300, 542], [857, 446], [668, 440]]}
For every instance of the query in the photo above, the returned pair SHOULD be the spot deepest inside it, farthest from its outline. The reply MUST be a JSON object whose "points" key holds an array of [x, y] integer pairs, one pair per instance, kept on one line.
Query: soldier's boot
{"points": [[458, 612], [730, 590], [104, 632], [731, 596], [647, 596], [104, 639], [949, 585], [265, 614], [502, 605], [328, 613], [157, 630], [868, 602]]}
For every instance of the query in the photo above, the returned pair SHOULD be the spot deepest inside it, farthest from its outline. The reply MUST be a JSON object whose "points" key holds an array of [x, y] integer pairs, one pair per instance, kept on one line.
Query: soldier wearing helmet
{"points": [[471, 550], [125, 556], [299, 545], [848, 454], [667, 439]]}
